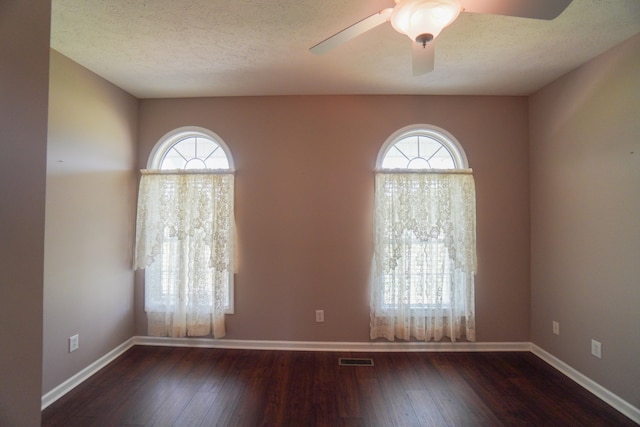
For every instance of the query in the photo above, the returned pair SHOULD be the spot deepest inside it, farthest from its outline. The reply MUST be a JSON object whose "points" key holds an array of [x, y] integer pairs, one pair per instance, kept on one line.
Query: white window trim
{"points": [[156, 156], [454, 148], [165, 143], [442, 136]]}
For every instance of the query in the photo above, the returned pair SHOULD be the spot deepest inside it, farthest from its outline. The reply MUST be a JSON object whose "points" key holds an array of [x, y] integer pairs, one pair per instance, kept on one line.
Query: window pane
{"points": [[187, 147], [395, 159], [216, 159], [195, 152], [418, 152], [442, 159]]}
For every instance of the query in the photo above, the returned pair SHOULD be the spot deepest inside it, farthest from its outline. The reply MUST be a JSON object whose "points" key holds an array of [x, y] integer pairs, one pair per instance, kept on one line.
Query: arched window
{"points": [[421, 147], [190, 149], [424, 238], [185, 234]]}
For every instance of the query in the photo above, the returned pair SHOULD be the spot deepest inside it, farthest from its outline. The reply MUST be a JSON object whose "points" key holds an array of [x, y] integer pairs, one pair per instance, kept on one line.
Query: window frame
{"points": [[458, 155], [154, 162], [173, 137], [438, 134]]}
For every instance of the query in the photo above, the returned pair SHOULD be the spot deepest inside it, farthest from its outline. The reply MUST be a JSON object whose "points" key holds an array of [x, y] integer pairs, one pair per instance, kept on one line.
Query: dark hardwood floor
{"points": [[165, 386]]}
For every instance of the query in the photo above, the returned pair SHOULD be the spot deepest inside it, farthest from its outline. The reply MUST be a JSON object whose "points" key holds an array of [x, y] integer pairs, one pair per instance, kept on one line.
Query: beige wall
{"points": [[304, 196], [585, 200], [90, 210], [24, 81]]}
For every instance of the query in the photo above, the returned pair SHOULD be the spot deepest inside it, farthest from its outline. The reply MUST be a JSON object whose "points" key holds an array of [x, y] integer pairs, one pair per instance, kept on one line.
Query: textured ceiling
{"points": [[169, 48]]}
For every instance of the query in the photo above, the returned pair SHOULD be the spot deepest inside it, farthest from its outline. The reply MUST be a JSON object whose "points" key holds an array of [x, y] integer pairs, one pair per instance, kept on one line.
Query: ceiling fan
{"points": [[423, 20]]}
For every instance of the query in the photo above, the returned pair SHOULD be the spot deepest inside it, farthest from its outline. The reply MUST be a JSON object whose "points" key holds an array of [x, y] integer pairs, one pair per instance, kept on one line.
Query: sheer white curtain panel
{"points": [[184, 240], [424, 258]]}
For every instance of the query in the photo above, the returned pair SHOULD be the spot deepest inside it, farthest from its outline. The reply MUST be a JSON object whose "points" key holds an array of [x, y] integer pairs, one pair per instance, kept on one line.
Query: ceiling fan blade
{"points": [[423, 58], [353, 31], [535, 9]]}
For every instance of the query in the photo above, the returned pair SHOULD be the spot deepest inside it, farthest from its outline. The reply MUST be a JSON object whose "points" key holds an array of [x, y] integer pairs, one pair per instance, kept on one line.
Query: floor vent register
{"points": [[346, 361]]}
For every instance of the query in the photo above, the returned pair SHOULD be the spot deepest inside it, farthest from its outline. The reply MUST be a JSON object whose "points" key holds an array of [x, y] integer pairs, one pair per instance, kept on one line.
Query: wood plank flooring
{"points": [[169, 386]]}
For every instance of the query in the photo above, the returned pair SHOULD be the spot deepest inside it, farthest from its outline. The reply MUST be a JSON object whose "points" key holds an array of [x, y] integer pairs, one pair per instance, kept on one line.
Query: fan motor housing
{"points": [[423, 39]]}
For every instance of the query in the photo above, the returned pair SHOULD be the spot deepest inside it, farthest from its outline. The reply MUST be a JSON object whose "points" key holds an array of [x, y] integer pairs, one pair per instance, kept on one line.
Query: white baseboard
{"points": [[81, 376], [605, 395], [331, 346]]}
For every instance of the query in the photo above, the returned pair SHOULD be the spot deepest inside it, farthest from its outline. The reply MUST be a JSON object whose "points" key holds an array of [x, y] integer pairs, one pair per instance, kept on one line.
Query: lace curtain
{"points": [[424, 256], [184, 240]]}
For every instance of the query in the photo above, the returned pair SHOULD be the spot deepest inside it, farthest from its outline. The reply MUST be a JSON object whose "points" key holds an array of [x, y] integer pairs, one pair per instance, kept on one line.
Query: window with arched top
{"points": [[422, 147], [185, 234], [190, 149], [424, 258]]}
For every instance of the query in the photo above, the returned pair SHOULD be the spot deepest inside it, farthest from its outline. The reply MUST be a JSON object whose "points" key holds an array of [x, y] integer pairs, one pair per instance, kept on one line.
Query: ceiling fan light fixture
{"points": [[419, 19]]}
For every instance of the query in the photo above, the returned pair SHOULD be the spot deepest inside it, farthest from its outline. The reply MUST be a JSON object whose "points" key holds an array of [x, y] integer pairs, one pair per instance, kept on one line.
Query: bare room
{"points": [[319, 313]]}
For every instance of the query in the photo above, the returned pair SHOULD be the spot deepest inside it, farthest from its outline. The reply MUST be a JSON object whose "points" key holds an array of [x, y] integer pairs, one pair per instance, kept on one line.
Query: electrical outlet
{"points": [[319, 315], [74, 343], [596, 349], [556, 328]]}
